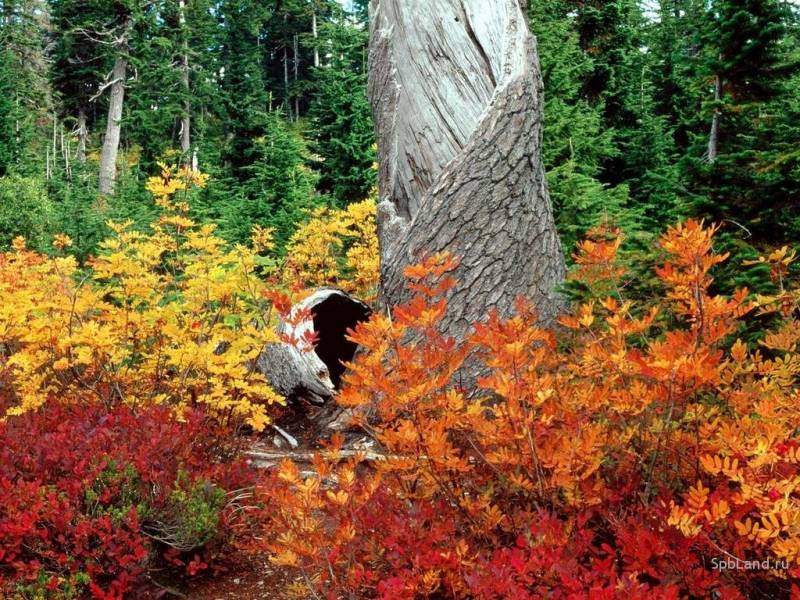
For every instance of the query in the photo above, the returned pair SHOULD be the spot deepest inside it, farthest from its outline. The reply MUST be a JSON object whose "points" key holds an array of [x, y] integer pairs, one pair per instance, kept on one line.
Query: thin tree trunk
{"points": [[83, 134], [55, 141], [315, 33], [286, 73], [296, 52], [66, 150], [286, 80], [713, 136], [108, 156], [459, 128], [186, 119]]}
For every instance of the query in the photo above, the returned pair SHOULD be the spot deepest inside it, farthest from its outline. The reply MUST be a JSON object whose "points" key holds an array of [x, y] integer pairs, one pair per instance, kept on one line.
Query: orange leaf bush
{"points": [[635, 451]]}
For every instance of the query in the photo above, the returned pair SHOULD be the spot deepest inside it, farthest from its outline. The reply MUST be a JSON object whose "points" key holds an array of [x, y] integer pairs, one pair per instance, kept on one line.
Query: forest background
{"points": [[269, 99]]}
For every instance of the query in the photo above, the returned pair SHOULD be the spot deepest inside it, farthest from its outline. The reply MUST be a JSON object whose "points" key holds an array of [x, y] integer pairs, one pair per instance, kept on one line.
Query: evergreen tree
{"points": [[242, 81], [79, 64], [204, 45], [624, 66], [156, 61], [741, 175], [10, 139], [575, 142], [24, 76], [177, 59], [341, 122], [674, 39], [279, 187], [647, 156]]}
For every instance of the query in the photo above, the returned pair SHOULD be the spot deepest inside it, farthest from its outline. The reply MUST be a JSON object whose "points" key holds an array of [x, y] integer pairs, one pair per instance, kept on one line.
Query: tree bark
{"points": [[456, 95], [286, 81], [713, 136], [108, 156], [315, 33], [296, 55], [186, 118], [286, 73]]}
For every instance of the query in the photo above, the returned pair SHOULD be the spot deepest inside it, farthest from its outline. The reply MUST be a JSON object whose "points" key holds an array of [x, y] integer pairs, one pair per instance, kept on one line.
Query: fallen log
{"points": [[298, 370]]}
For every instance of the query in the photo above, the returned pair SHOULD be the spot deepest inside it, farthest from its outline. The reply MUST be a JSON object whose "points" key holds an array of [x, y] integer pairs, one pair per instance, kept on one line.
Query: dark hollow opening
{"points": [[332, 318]]}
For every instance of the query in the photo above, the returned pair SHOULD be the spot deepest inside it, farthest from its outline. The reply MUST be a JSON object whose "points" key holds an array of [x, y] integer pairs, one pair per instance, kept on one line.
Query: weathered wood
{"points": [[713, 136], [108, 155], [307, 456], [83, 135], [456, 95], [297, 370], [186, 117]]}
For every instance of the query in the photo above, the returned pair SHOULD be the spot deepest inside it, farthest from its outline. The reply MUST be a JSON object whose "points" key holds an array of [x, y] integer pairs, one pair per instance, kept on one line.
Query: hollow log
{"points": [[298, 370]]}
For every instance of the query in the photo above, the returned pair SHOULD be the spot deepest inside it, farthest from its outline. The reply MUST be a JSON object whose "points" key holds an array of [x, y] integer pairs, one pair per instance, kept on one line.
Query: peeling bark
{"points": [[713, 136], [315, 34], [83, 135], [456, 95]]}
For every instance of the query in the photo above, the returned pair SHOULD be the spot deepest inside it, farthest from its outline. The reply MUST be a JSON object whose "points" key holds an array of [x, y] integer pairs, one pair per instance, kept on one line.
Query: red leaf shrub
{"points": [[90, 499]]}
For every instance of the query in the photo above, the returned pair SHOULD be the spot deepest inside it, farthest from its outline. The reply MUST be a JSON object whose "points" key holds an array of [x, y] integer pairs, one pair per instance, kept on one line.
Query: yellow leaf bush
{"points": [[170, 316], [337, 247]]}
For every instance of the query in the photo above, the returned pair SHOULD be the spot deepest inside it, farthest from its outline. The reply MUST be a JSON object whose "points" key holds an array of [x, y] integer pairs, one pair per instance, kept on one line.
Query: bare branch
{"points": [[103, 88]]}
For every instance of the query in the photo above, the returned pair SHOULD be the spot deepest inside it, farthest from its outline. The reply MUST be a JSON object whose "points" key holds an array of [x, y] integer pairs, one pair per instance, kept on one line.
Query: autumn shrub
{"points": [[172, 316], [635, 450], [123, 383], [93, 500], [336, 247]]}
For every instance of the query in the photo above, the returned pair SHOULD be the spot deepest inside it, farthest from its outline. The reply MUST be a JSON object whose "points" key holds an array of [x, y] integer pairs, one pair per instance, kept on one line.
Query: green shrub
{"points": [[25, 210], [191, 517]]}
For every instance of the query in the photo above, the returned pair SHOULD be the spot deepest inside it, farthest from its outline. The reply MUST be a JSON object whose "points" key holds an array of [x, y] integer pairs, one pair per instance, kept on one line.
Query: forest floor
{"points": [[258, 579], [254, 581]]}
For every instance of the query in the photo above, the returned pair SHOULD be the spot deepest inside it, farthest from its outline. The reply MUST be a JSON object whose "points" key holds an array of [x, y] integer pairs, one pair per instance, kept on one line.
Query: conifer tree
{"points": [[24, 67], [740, 174], [10, 116], [339, 112], [242, 81], [576, 144], [278, 189], [79, 64]]}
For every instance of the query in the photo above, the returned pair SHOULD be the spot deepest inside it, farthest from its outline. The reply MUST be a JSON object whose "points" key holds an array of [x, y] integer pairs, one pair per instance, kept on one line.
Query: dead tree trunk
{"points": [[315, 33], [296, 55], [456, 94], [186, 117], [83, 134], [713, 136], [298, 371], [108, 156]]}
